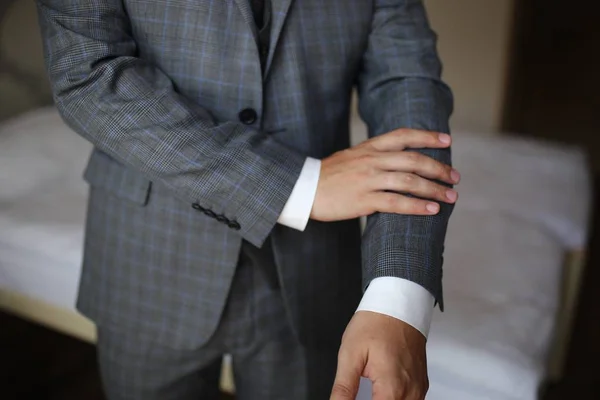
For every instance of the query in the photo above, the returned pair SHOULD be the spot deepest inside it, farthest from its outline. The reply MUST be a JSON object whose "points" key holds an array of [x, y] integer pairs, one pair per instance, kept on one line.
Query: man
{"points": [[220, 128]]}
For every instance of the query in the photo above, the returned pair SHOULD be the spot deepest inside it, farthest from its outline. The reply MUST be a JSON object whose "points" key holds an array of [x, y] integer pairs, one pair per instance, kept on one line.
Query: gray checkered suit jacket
{"points": [[196, 149]]}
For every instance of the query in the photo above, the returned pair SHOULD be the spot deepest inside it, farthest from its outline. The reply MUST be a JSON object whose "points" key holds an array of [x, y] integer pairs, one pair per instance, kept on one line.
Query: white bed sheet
{"points": [[521, 205], [38, 276], [42, 207], [498, 323]]}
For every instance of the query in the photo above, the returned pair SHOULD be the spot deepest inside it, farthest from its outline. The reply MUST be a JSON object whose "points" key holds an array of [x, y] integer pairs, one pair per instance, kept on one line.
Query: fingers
{"points": [[401, 139], [392, 384], [392, 389], [396, 389], [352, 182], [413, 184], [398, 204], [417, 163], [347, 378]]}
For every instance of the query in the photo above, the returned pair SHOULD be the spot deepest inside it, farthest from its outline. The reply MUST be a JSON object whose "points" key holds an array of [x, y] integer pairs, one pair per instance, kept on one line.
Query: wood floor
{"points": [[39, 364]]}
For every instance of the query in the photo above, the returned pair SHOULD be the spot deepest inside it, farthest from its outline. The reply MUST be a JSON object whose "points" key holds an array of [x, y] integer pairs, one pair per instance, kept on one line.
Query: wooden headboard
{"points": [[23, 82]]}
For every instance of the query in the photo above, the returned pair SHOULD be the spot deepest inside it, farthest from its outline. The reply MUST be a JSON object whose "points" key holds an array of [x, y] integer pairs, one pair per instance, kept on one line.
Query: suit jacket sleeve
{"points": [[130, 110], [400, 87]]}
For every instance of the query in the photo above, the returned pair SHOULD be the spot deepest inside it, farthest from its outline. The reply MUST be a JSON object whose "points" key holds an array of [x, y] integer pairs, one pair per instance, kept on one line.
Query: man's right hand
{"points": [[369, 178]]}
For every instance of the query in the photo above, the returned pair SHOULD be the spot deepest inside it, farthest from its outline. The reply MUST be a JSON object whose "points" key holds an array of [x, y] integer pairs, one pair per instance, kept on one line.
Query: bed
{"points": [[513, 260], [506, 248]]}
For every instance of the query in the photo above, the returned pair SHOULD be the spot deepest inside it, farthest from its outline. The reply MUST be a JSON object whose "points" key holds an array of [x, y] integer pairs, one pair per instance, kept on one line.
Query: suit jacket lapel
{"points": [[246, 10], [279, 12]]}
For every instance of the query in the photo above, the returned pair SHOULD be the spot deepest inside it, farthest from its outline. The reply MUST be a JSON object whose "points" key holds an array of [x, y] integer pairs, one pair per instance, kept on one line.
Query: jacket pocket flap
{"points": [[106, 173]]}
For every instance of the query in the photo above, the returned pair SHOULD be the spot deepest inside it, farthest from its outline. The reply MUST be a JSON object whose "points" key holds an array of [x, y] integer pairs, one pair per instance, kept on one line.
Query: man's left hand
{"points": [[385, 350]]}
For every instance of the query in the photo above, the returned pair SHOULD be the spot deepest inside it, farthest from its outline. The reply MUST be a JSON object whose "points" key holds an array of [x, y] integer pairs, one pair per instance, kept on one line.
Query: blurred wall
{"points": [[474, 45], [21, 51]]}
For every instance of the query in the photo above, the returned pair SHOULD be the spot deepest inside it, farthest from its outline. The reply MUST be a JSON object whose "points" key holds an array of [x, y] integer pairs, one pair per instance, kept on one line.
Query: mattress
{"points": [[522, 205], [42, 207], [40, 254]]}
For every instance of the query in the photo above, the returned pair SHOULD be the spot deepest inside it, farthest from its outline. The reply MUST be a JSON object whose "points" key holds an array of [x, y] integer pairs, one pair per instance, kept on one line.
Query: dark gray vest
{"points": [[262, 17]]}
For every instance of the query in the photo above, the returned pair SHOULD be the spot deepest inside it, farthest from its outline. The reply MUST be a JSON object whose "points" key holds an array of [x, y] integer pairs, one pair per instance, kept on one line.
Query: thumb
{"points": [[347, 378]]}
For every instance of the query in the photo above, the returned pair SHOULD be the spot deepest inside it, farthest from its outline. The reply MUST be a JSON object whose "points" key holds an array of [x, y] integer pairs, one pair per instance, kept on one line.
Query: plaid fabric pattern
{"points": [[158, 88]]}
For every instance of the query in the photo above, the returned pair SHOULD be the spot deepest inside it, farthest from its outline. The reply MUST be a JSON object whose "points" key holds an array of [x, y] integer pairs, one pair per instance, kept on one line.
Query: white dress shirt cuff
{"points": [[402, 299], [296, 211]]}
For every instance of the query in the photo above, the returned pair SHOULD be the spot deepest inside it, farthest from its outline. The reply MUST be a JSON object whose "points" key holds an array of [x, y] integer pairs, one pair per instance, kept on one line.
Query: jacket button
{"points": [[234, 225], [210, 213], [248, 116]]}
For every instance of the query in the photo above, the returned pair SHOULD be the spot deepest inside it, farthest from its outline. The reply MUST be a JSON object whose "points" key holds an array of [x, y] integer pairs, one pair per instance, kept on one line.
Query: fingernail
{"points": [[444, 138], [432, 207], [455, 176], [451, 195]]}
